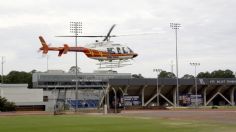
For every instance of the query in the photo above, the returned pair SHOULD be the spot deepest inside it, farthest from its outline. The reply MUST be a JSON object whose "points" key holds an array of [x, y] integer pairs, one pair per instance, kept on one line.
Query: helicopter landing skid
{"points": [[113, 64]]}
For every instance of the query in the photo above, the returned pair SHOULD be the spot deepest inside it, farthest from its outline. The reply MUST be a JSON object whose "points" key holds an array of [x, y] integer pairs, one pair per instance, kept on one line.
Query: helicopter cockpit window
{"points": [[118, 50], [130, 50], [110, 50], [124, 50]]}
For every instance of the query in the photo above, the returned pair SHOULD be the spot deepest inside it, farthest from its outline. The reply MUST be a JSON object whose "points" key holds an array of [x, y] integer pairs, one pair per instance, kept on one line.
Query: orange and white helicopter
{"points": [[106, 52]]}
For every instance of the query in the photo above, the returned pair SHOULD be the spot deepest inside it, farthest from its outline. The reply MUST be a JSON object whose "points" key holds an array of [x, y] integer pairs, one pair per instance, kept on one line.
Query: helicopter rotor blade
{"points": [[108, 34], [136, 34], [86, 36]]}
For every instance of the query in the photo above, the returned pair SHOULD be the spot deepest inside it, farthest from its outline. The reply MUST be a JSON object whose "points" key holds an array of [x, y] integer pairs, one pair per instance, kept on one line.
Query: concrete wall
{"points": [[20, 93]]}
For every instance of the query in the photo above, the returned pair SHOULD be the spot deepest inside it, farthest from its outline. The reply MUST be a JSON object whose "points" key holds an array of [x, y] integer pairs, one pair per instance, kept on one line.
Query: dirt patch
{"points": [[18, 113], [222, 116]]}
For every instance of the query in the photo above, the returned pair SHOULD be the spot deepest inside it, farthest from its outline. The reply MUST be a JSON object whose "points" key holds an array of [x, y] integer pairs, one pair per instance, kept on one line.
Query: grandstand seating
{"points": [[83, 103]]}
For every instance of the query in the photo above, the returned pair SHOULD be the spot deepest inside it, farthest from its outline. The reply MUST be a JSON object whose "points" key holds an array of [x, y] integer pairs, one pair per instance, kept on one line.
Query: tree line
{"points": [[214, 74], [17, 77]]}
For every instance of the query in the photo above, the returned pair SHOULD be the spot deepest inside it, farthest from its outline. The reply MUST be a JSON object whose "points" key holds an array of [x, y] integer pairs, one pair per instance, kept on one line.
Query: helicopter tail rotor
{"points": [[44, 47]]}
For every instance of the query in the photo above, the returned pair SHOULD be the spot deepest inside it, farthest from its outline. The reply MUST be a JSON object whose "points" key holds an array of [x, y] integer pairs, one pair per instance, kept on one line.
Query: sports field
{"points": [[110, 123]]}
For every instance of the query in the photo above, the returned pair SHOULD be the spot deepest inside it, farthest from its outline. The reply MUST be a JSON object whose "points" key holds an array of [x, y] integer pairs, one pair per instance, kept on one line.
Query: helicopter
{"points": [[107, 52]]}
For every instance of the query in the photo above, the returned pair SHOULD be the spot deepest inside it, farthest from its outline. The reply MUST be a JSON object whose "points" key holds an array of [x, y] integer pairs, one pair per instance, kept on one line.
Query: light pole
{"points": [[171, 66], [158, 92], [3, 61], [76, 28], [195, 68], [47, 62], [176, 26]]}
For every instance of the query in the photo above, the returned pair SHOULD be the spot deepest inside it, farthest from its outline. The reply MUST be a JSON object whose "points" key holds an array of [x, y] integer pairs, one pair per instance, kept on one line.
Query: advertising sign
{"points": [[131, 100]]}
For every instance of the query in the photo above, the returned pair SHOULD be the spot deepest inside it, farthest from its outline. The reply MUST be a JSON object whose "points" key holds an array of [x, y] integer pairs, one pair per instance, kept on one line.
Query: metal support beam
{"points": [[143, 95], [232, 96], [108, 100], [150, 100], [204, 96], [158, 95], [224, 98], [126, 89], [218, 90], [122, 91], [103, 98], [166, 99], [212, 98], [219, 93], [123, 94], [174, 96], [190, 90], [108, 97], [115, 99]]}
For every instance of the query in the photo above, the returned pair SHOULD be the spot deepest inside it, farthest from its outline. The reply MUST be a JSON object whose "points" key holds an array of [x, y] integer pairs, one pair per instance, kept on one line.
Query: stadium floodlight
{"points": [[158, 91], [176, 26], [195, 67], [76, 28]]}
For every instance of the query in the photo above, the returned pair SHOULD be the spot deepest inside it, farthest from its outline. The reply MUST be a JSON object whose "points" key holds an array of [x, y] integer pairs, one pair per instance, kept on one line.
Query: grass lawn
{"points": [[82, 123]]}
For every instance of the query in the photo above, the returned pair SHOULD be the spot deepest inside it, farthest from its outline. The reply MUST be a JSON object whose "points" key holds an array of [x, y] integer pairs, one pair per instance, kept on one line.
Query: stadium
{"points": [[129, 102], [57, 89]]}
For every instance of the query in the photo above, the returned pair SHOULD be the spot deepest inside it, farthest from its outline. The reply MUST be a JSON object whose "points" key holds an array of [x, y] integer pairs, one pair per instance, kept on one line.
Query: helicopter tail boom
{"points": [[62, 50]]}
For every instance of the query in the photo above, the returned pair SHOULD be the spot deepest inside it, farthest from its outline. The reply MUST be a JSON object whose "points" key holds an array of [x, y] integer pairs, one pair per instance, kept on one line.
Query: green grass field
{"points": [[82, 123]]}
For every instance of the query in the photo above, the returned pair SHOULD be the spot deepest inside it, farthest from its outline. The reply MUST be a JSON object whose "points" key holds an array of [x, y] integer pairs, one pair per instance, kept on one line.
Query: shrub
{"points": [[6, 105]]}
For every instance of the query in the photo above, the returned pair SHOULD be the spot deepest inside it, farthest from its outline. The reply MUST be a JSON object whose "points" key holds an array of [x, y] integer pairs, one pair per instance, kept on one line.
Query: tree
{"points": [[217, 74], [187, 76], [4, 79], [6, 105], [19, 77], [33, 71], [137, 76], [222, 74], [204, 75], [165, 74]]}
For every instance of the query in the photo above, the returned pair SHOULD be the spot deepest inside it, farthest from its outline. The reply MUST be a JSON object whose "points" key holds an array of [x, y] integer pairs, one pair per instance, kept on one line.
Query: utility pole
{"points": [[176, 26], [195, 70], [76, 28]]}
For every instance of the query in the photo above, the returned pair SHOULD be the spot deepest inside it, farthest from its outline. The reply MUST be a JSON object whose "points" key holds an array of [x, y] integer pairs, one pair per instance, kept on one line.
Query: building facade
{"points": [[119, 90], [24, 98], [59, 88]]}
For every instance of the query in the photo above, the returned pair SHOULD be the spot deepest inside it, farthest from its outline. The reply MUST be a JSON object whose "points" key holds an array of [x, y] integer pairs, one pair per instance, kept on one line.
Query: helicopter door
{"points": [[111, 50], [118, 50]]}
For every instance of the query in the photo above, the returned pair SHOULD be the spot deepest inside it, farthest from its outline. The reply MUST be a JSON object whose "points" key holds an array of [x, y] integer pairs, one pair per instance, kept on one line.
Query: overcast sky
{"points": [[207, 35]]}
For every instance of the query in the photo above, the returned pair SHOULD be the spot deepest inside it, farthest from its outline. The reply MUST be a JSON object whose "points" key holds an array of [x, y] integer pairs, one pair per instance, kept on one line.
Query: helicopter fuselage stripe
{"points": [[95, 54]]}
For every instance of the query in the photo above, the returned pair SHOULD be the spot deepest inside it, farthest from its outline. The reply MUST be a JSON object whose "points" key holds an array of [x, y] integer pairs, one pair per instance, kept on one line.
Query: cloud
{"points": [[207, 34]]}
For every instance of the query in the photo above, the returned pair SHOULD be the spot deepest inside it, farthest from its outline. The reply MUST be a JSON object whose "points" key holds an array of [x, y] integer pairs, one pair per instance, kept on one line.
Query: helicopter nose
{"points": [[135, 55]]}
